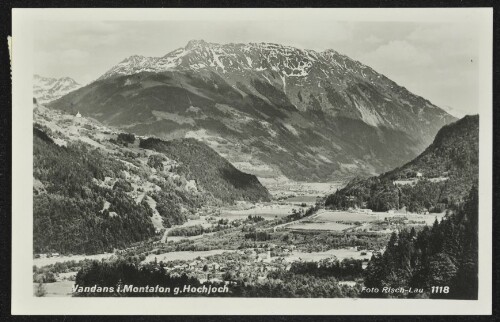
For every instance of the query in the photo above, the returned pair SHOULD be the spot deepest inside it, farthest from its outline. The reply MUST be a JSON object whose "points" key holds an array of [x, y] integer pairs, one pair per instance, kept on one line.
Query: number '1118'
{"points": [[440, 289]]}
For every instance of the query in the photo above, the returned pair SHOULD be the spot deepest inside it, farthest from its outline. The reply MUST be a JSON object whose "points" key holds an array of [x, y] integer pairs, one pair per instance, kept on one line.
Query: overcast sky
{"points": [[435, 60]]}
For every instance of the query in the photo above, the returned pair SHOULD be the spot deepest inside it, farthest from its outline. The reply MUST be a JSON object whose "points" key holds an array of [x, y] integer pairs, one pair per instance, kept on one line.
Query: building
{"points": [[78, 114]]}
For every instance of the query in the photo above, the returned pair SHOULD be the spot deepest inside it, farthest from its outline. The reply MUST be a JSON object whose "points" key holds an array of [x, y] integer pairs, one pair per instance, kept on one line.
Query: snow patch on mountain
{"points": [[325, 81], [47, 89]]}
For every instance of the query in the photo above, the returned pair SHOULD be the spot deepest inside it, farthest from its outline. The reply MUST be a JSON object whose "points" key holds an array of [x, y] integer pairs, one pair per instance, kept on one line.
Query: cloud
{"points": [[397, 53], [450, 32], [419, 56], [372, 39], [74, 55]]}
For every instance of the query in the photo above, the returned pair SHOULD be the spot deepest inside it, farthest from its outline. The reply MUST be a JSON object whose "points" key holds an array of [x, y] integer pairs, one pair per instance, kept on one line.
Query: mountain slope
{"points": [[219, 177], [68, 215], [439, 178], [308, 115], [455, 150], [95, 189], [46, 89]]}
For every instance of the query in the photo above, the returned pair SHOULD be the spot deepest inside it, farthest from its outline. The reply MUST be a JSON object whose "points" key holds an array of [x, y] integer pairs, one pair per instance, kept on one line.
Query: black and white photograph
{"points": [[255, 154]]}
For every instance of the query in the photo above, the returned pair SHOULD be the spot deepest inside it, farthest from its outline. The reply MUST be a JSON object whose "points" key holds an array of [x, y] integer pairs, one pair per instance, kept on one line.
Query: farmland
{"points": [[252, 239], [268, 211], [331, 226]]}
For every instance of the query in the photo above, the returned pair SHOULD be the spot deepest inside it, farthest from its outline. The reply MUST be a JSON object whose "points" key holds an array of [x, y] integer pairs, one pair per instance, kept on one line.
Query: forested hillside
{"points": [[68, 214], [96, 189], [212, 173], [445, 255], [438, 179], [454, 151]]}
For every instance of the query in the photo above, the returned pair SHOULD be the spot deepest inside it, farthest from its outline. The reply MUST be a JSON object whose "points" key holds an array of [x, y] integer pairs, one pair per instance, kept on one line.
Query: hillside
{"points": [[68, 207], [269, 109], [211, 173], [96, 190], [454, 150], [439, 178]]}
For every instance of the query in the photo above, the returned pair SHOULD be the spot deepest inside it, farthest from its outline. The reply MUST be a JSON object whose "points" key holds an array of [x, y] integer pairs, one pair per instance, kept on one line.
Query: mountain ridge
{"points": [[48, 89], [252, 58]]}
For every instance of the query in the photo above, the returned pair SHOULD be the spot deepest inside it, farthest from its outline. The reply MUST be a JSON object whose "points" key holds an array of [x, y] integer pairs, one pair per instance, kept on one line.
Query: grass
{"points": [[267, 212], [339, 253], [319, 226], [334, 216], [56, 289]]}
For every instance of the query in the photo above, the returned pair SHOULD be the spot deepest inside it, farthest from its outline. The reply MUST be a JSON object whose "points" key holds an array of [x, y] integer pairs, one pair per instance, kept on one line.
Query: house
{"points": [[419, 175], [78, 114], [348, 283]]}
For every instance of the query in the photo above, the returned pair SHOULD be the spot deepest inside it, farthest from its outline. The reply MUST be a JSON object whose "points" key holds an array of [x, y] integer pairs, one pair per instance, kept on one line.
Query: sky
{"points": [[436, 60]]}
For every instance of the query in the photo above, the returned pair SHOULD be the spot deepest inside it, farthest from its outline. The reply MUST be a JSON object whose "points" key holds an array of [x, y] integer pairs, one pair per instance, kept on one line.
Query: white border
{"points": [[23, 302]]}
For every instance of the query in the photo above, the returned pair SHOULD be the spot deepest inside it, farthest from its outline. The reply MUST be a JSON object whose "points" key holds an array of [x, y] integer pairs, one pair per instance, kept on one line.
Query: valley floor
{"points": [[315, 237]]}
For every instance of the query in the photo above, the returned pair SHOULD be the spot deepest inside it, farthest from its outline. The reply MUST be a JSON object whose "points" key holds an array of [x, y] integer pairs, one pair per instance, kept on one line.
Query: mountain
{"points": [[438, 179], [455, 150], [46, 89], [269, 109], [96, 189]]}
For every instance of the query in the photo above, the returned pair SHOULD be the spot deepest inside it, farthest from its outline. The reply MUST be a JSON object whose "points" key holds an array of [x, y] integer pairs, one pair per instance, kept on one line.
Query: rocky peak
{"points": [[47, 89], [196, 43]]}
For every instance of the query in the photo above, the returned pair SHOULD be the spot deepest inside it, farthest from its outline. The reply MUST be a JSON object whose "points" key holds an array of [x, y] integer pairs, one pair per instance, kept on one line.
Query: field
{"points": [[267, 211], [172, 256], [375, 222], [345, 216], [202, 221], [309, 200], [56, 289], [283, 187], [332, 226], [40, 262], [339, 253], [334, 216]]}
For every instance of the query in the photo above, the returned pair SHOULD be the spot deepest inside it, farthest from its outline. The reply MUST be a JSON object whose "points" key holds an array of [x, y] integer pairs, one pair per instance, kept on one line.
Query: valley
{"points": [[278, 171], [257, 237]]}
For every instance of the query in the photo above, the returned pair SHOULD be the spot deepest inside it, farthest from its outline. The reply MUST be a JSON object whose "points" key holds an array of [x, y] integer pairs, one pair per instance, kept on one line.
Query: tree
{"points": [[156, 161], [442, 270], [126, 138], [444, 255], [40, 290], [205, 269]]}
